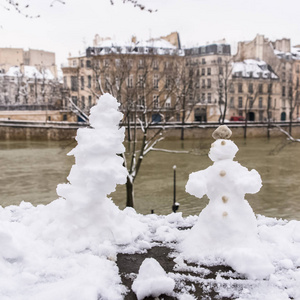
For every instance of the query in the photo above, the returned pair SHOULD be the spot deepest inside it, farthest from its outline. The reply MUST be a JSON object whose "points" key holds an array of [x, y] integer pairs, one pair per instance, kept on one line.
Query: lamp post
{"points": [[175, 205]]}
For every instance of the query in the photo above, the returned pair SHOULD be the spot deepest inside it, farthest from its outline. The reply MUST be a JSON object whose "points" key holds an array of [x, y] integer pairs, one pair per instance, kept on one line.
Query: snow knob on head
{"points": [[222, 132]]}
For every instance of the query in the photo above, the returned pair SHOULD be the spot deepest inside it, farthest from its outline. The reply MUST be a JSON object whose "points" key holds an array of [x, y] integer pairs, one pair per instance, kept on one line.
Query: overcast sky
{"points": [[69, 28]]}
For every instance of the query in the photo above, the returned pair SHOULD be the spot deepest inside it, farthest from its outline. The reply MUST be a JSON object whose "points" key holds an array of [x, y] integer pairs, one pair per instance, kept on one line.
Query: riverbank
{"points": [[56, 131]]}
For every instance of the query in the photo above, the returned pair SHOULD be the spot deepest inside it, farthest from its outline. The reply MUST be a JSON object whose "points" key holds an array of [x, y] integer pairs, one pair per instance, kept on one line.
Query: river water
{"points": [[31, 170]]}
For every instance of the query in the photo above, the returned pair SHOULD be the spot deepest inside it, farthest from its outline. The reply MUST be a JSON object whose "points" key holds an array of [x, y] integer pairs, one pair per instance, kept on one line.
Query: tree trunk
{"points": [[129, 193], [290, 122], [183, 121]]}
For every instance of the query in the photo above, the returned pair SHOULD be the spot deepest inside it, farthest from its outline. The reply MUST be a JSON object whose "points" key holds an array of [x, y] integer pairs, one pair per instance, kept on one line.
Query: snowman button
{"points": [[224, 199], [223, 143], [222, 173], [225, 214]]}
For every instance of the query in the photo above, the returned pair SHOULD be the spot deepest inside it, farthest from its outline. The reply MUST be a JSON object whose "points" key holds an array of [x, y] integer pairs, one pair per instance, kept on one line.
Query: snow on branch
{"points": [[170, 151], [287, 134]]}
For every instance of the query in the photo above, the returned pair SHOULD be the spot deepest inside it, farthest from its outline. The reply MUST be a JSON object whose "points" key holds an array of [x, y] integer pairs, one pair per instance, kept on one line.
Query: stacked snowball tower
{"points": [[97, 170], [226, 230]]}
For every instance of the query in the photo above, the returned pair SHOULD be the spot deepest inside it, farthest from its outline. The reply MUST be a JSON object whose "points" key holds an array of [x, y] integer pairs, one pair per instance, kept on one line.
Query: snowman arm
{"points": [[196, 184], [251, 182]]}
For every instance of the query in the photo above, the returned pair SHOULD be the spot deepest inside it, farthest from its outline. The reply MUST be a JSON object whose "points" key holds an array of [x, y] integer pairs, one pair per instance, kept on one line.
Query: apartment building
{"points": [[143, 76], [283, 60], [196, 84]]}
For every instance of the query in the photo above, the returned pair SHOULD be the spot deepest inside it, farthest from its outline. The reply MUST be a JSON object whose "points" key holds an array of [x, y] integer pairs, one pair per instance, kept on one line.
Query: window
{"points": [[90, 101], [250, 88], [89, 81], [117, 62], [74, 63], [81, 63], [155, 101], [130, 81], [74, 99], [88, 64], [209, 97], [219, 60], [107, 83], [290, 92], [240, 105], [155, 64], [251, 101], [283, 91], [260, 102], [203, 96], [141, 63], [168, 82], [203, 61], [208, 71], [203, 83], [260, 88], [82, 82], [155, 81], [221, 70], [117, 82], [141, 81], [106, 62], [141, 101], [270, 88], [202, 71], [231, 88], [231, 102], [82, 102], [65, 83], [283, 76], [240, 87], [74, 83], [208, 83]]}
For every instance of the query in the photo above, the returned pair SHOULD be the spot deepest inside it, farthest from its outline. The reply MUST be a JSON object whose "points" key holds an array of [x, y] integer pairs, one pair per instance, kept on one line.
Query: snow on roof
{"points": [[253, 68], [295, 52], [284, 55], [156, 46], [30, 72]]}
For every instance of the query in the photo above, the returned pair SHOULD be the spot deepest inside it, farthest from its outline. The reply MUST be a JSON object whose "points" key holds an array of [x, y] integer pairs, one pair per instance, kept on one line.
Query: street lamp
{"points": [[175, 205]]}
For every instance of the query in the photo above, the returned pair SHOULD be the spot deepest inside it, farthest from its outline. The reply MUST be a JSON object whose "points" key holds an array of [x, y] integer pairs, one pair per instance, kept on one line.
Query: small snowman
{"points": [[226, 229]]}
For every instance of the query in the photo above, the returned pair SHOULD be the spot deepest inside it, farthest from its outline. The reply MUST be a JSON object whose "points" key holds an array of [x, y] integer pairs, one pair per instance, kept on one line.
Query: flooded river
{"points": [[30, 171]]}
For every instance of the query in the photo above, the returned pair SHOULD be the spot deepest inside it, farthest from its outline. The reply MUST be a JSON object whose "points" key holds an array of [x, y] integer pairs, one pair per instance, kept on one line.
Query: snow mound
{"points": [[152, 280], [227, 227]]}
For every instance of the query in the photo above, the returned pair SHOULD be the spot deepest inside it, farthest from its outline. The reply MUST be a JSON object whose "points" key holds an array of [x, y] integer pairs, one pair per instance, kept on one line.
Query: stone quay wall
{"points": [[16, 130]]}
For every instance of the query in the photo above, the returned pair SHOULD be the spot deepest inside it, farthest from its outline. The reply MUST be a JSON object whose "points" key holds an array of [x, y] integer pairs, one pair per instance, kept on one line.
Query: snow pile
{"points": [[68, 249], [52, 251], [152, 280], [227, 228]]}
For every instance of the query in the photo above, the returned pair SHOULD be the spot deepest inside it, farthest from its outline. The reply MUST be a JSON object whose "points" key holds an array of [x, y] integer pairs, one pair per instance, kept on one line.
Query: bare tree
{"points": [[184, 77], [250, 101], [225, 67]]}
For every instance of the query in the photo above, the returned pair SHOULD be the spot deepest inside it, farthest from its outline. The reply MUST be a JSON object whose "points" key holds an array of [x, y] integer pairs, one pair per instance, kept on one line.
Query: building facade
{"points": [[199, 84], [283, 60]]}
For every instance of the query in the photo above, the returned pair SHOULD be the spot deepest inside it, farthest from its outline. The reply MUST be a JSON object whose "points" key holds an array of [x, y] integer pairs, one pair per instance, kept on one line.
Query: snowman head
{"points": [[222, 149]]}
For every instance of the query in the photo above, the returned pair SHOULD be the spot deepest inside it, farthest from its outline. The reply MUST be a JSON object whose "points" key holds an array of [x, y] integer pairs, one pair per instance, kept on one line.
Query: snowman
{"points": [[226, 230]]}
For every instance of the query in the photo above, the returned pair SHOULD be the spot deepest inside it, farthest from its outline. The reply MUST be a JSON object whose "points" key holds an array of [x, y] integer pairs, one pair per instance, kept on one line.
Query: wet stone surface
{"points": [[129, 265]]}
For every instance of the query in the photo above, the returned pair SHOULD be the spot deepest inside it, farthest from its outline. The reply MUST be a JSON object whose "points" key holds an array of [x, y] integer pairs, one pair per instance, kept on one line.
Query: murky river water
{"points": [[30, 171]]}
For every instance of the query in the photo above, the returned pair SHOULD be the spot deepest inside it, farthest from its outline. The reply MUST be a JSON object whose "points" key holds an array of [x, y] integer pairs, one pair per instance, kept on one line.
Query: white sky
{"points": [[68, 28]]}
